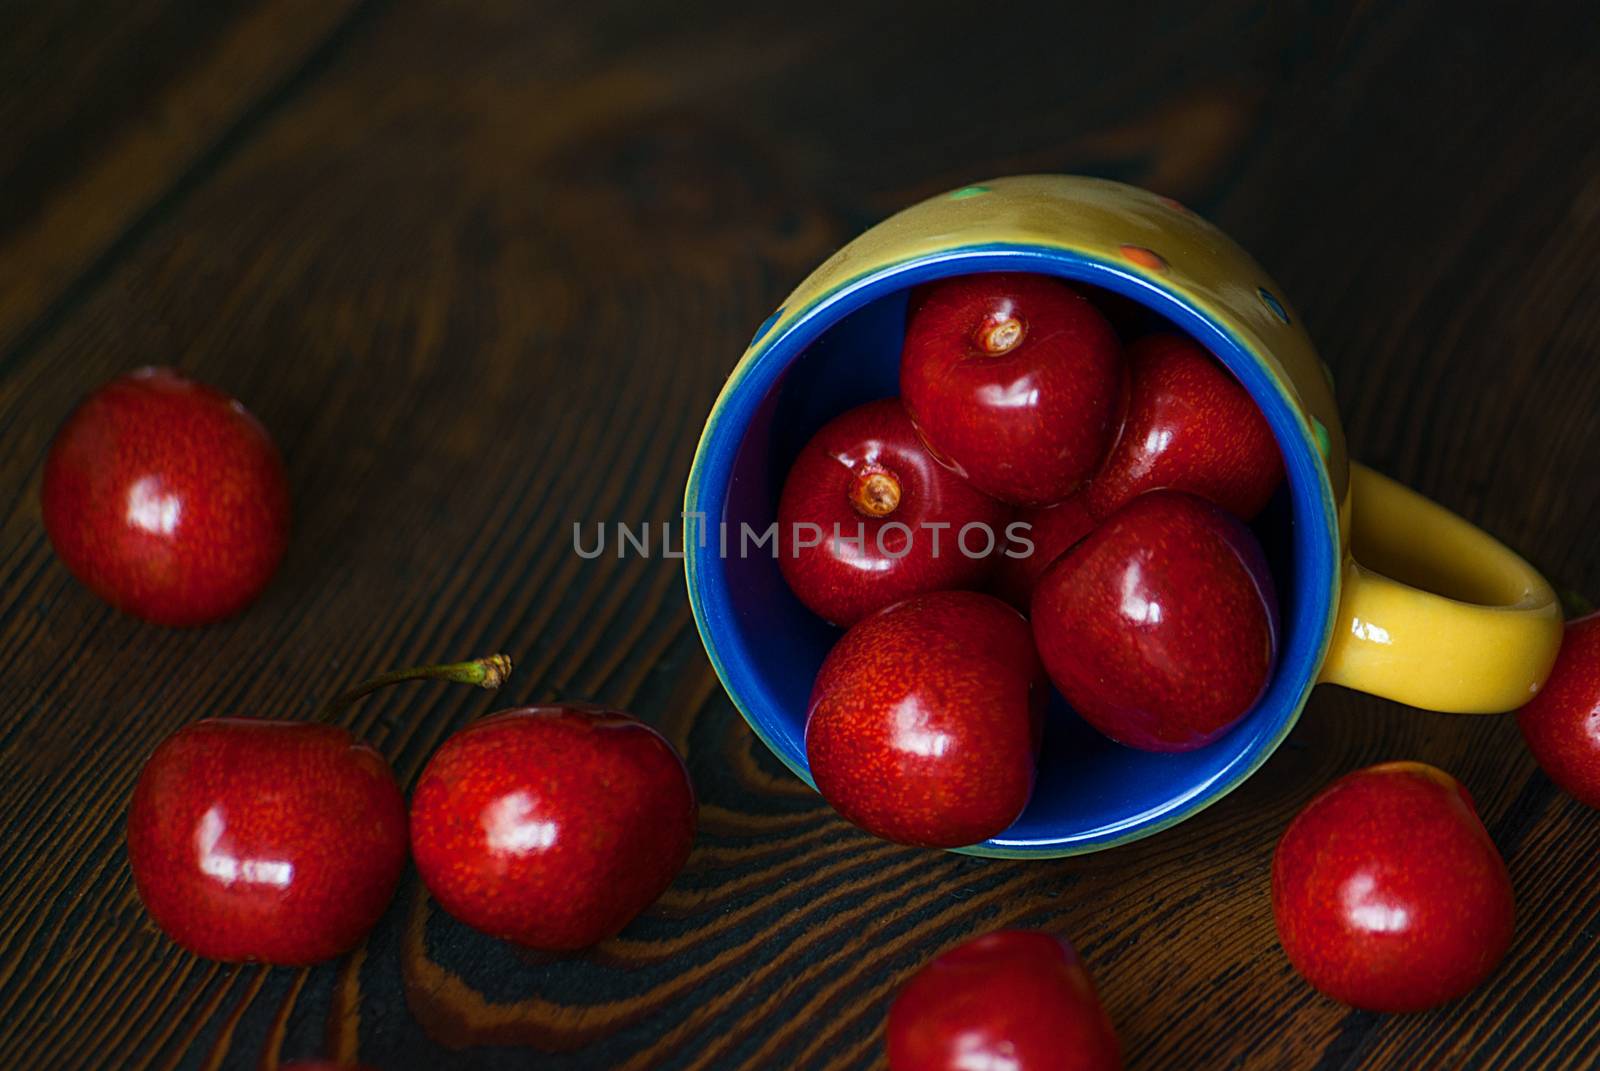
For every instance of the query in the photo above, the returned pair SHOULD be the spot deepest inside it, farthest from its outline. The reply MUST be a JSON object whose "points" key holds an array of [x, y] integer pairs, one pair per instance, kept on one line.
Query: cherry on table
{"points": [[274, 841], [1561, 724], [1388, 893], [167, 499], [1016, 999], [552, 827]]}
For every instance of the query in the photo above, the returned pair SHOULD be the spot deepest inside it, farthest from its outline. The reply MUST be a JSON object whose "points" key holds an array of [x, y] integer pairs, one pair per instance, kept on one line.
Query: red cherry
{"points": [[167, 499], [925, 720], [1014, 381], [274, 841], [1017, 999], [1388, 893], [1053, 530], [1160, 626], [266, 840], [1190, 427], [866, 476], [552, 827], [1562, 723]]}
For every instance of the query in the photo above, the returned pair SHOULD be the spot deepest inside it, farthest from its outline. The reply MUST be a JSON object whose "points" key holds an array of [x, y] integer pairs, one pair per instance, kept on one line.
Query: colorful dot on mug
{"points": [[969, 191], [1144, 258], [1320, 433], [1272, 303], [1172, 202], [766, 325]]}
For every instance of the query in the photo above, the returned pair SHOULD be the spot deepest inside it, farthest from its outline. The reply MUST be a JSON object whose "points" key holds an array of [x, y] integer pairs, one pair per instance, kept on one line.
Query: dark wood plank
{"points": [[482, 272], [108, 108]]}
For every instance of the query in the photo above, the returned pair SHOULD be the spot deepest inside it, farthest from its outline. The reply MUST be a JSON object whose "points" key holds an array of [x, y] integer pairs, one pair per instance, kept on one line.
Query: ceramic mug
{"points": [[1381, 590]]}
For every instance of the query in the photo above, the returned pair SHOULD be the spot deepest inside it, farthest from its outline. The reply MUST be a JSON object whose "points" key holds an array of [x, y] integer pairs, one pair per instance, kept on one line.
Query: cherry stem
{"points": [[1002, 337], [490, 672], [876, 494]]}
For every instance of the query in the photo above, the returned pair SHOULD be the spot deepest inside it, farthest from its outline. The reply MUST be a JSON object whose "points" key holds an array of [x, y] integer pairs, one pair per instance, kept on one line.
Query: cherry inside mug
{"points": [[1379, 589]]}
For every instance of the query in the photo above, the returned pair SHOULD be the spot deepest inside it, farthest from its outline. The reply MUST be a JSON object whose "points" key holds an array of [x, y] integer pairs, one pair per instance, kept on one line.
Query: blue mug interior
{"points": [[1091, 793]]}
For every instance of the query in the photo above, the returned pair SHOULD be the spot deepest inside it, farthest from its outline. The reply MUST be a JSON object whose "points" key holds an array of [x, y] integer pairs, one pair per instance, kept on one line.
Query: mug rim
{"points": [[1315, 528]]}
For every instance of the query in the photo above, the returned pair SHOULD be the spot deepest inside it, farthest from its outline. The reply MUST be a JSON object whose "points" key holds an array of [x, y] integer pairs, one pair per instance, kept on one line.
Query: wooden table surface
{"points": [[481, 268]]}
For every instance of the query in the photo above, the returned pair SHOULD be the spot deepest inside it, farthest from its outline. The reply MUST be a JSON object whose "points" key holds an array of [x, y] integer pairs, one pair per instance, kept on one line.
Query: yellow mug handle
{"points": [[1472, 628]]}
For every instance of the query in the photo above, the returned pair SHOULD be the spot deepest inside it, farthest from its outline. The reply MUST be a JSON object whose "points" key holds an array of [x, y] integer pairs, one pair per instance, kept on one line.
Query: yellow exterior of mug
{"points": [[1475, 631]]}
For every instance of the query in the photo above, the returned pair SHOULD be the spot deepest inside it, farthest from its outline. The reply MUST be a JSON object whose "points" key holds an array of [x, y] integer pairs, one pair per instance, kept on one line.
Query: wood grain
{"points": [[114, 111], [482, 268]]}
